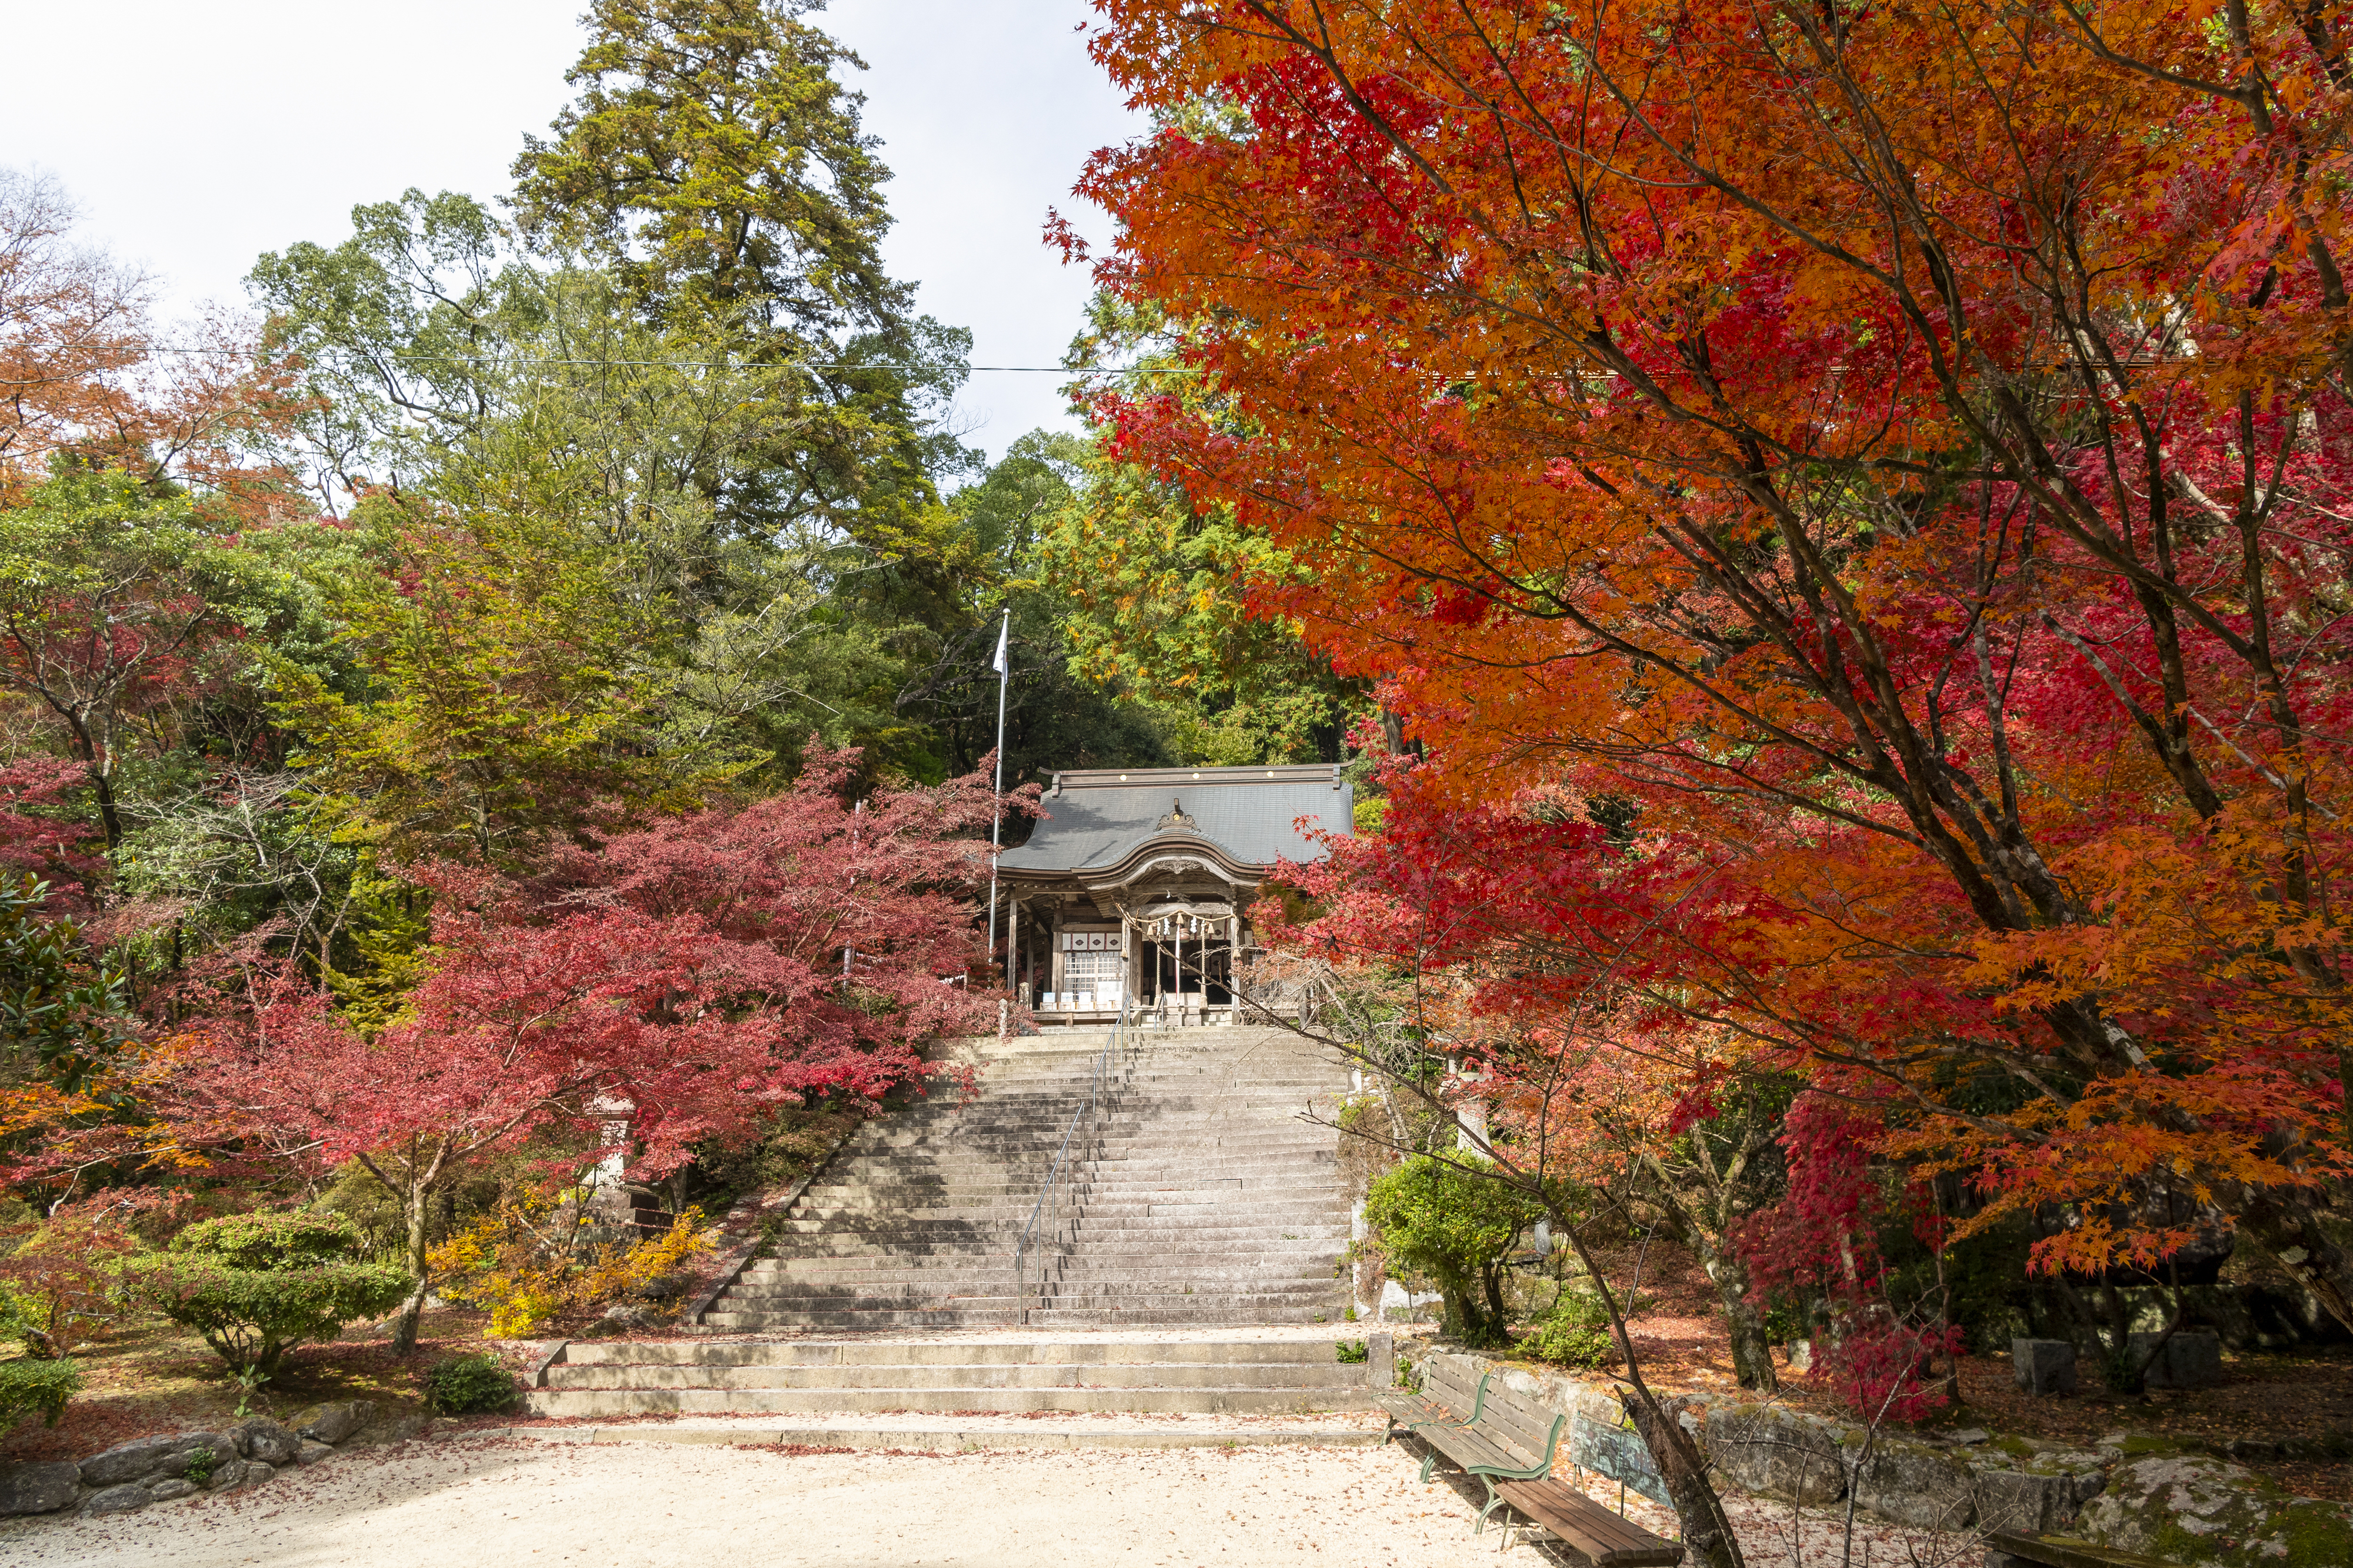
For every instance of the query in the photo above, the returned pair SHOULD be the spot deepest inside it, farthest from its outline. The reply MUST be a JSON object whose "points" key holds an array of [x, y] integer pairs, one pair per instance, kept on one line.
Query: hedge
{"points": [[253, 1316], [28, 1386]]}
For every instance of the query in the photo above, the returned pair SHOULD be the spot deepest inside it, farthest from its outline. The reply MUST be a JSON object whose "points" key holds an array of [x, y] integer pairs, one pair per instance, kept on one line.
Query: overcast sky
{"points": [[194, 136]]}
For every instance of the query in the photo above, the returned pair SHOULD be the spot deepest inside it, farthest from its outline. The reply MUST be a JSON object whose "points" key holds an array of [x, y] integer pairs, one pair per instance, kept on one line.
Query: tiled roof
{"points": [[1095, 817]]}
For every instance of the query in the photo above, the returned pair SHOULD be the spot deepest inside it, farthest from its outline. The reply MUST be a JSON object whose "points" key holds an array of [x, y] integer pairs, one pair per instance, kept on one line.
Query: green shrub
{"points": [[467, 1384], [257, 1286], [1442, 1219], [1575, 1332], [28, 1386], [298, 1240], [202, 1463], [1569, 1339], [1353, 1352]]}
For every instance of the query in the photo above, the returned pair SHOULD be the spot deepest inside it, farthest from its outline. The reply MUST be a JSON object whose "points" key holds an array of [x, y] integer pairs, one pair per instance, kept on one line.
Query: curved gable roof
{"points": [[1098, 817]]}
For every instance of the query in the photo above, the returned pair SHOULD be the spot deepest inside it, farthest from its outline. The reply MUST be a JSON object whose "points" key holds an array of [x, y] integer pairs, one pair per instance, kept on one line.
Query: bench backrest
{"points": [[1448, 1382], [1529, 1431]]}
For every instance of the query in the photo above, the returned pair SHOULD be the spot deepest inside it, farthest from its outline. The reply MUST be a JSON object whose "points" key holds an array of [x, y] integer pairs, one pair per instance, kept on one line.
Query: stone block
{"points": [[2043, 1367], [1380, 1361], [39, 1486], [223, 1447], [116, 1499], [2191, 1359], [334, 1423], [226, 1474], [173, 1487], [1916, 1486], [2020, 1500], [396, 1427], [311, 1451], [267, 1441], [126, 1462], [1778, 1454], [2236, 1519]]}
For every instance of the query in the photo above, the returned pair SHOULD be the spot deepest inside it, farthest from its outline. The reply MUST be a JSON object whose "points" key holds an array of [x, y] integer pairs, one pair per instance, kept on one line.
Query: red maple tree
{"points": [[684, 979], [1855, 501]]}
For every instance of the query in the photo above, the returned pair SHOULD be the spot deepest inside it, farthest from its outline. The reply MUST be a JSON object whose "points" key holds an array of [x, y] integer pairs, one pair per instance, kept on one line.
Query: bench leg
{"points": [[1429, 1462], [1493, 1502]]}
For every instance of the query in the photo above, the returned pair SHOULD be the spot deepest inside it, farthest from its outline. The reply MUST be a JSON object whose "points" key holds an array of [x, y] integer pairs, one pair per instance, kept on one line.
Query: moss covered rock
{"points": [[2193, 1511]]}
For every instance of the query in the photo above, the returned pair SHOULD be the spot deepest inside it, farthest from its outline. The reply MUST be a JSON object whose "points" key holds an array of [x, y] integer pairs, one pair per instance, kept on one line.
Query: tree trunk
{"points": [[1707, 1533], [110, 815], [2287, 1229], [404, 1333], [1752, 1353]]}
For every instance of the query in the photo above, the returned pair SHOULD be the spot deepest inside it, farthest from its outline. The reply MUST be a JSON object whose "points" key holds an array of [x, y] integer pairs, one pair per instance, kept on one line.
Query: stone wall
{"points": [[2129, 1493], [148, 1470]]}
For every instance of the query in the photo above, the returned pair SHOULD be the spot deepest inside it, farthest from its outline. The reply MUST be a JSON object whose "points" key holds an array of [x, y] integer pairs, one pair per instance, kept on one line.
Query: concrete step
{"points": [[1297, 1376], [1200, 1231], [1238, 1261], [949, 1436], [1273, 1203], [1192, 1170], [1187, 1317], [558, 1402], [989, 1317], [950, 1352], [944, 1287]]}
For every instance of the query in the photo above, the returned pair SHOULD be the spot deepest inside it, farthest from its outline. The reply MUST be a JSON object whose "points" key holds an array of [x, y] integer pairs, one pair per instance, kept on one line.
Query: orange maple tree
{"points": [[83, 371], [1856, 499]]}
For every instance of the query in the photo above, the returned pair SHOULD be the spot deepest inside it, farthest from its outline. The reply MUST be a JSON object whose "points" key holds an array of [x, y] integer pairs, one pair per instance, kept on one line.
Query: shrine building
{"points": [[1132, 894]]}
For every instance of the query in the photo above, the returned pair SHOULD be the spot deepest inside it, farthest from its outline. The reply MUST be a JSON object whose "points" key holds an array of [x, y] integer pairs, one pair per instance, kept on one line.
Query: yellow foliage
{"points": [[531, 1260]]}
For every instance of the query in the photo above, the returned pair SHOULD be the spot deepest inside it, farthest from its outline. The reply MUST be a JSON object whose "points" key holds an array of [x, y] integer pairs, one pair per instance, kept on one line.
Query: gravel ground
{"points": [[523, 1502]]}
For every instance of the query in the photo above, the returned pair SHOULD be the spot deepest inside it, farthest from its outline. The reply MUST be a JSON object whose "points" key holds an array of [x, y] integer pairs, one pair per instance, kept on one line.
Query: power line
{"points": [[728, 364]]}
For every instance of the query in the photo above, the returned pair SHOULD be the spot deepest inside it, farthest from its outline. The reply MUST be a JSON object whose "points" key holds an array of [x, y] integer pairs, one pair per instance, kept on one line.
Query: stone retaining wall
{"points": [[158, 1469], [2129, 1493]]}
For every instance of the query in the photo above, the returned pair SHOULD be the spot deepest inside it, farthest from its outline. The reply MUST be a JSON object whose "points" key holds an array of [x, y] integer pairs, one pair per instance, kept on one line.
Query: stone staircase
{"points": [[1195, 1196], [1289, 1376], [1210, 1201]]}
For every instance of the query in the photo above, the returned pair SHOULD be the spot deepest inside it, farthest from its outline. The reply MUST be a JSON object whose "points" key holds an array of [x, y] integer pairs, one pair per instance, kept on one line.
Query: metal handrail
{"points": [[1097, 1092]]}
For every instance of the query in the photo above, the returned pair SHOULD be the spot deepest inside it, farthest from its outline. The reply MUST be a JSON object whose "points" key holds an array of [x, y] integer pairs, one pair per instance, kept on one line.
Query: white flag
{"points": [[1000, 663]]}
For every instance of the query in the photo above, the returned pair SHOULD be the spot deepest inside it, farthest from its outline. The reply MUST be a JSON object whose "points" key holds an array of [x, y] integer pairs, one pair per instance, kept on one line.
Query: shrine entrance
{"points": [[1126, 901], [1186, 974]]}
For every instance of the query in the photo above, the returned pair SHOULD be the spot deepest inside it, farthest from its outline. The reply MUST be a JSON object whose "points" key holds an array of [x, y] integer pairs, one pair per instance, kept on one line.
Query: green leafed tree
{"points": [[62, 1014], [716, 167], [1157, 606], [503, 704], [1441, 1217]]}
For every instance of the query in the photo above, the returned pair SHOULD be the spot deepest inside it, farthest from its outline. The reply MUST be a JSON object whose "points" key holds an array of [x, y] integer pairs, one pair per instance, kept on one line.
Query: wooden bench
{"points": [[1509, 1445], [1589, 1528], [1442, 1398]]}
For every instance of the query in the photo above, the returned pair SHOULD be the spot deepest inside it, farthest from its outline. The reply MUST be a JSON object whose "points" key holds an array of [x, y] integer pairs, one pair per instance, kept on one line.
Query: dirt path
{"points": [[515, 1501], [523, 1503]]}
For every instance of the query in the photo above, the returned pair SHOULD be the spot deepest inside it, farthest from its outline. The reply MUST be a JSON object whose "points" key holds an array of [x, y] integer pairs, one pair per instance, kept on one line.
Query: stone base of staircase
{"points": [[1266, 1377], [947, 1438]]}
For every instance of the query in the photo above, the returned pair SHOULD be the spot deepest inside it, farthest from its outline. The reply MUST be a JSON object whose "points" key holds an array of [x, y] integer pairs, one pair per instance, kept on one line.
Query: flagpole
{"points": [[1004, 678]]}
